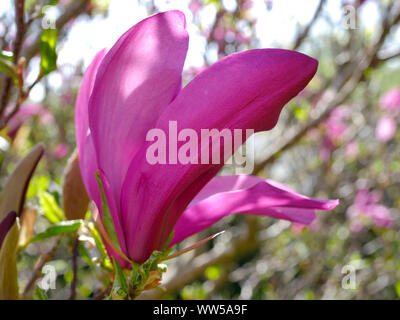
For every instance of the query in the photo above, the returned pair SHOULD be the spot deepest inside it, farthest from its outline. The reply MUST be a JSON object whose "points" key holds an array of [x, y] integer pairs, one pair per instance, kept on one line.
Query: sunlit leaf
{"points": [[48, 55], [50, 207], [39, 294], [100, 245], [7, 67], [57, 229]]}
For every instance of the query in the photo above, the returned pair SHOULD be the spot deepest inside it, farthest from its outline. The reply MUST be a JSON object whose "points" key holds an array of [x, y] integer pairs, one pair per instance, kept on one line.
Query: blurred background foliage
{"points": [[337, 139]]}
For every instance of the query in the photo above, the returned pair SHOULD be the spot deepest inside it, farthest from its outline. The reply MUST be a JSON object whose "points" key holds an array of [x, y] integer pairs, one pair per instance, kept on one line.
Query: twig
{"points": [[304, 33], [36, 273], [72, 295], [72, 10], [341, 88], [101, 294], [20, 22]]}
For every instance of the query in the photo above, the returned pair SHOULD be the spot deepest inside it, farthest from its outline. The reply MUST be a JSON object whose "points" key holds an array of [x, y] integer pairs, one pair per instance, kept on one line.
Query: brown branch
{"points": [[38, 269], [72, 295], [341, 88], [71, 11], [304, 33], [388, 55], [20, 23]]}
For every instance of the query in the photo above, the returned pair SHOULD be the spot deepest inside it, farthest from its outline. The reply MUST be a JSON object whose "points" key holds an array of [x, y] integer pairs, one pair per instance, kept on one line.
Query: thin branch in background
{"points": [[71, 11], [38, 269], [304, 33], [75, 248], [341, 89], [19, 37]]}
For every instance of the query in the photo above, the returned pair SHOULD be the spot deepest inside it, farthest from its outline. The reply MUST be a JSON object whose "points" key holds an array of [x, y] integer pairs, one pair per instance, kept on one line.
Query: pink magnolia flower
{"points": [[391, 99], [385, 129], [135, 87]]}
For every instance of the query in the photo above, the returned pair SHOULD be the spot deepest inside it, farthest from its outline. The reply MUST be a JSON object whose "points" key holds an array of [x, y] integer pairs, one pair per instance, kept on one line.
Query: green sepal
{"points": [[107, 219], [120, 287]]}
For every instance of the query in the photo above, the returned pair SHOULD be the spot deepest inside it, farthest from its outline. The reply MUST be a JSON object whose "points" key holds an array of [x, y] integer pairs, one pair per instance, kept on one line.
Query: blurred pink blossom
{"points": [[195, 6], [390, 100], [298, 227], [352, 149], [61, 150], [336, 124], [385, 129], [366, 209], [25, 113]]}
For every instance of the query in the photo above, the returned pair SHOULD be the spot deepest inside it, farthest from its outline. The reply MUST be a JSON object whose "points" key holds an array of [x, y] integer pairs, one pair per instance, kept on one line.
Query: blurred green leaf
{"points": [[300, 113], [397, 287], [7, 67], [50, 207], [56, 230], [38, 184], [7, 55], [48, 55], [212, 272], [39, 294], [84, 253], [100, 245]]}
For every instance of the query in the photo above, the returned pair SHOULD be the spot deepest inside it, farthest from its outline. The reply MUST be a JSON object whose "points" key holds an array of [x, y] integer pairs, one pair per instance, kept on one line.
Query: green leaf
{"points": [[39, 294], [7, 55], [38, 184], [84, 253], [165, 247], [300, 113], [107, 219], [7, 67], [56, 230], [100, 245], [48, 55], [397, 287], [50, 207], [120, 286]]}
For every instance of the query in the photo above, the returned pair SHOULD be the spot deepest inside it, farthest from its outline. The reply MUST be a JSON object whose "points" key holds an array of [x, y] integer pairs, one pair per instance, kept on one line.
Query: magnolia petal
{"points": [[87, 156], [242, 194], [139, 76], [82, 101], [246, 90]]}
